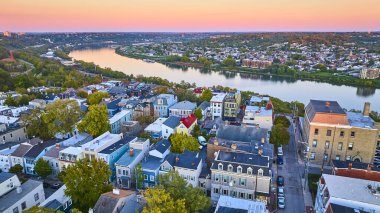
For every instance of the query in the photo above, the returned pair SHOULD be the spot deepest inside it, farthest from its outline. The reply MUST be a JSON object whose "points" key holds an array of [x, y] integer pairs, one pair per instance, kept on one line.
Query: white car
{"points": [[281, 202], [202, 141], [281, 192]]}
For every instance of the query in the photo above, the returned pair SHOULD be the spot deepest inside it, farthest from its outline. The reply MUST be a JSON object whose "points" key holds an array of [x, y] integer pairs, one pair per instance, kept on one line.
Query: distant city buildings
{"points": [[369, 73]]}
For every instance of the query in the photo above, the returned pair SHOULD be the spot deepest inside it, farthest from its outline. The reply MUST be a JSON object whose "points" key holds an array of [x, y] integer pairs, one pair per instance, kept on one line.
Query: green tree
{"points": [[229, 61], [145, 120], [204, 61], [23, 100], [159, 201], [178, 188], [181, 142], [43, 168], [282, 120], [197, 131], [85, 181], [96, 98], [279, 135], [62, 116], [185, 59], [198, 113], [82, 94], [139, 176], [206, 95], [36, 126], [17, 169], [9, 101], [40, 209], [96, 121]]}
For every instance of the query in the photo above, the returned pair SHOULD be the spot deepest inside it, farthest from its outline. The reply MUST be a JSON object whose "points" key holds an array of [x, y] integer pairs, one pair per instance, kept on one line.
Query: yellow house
{"points": [[187, 125]]}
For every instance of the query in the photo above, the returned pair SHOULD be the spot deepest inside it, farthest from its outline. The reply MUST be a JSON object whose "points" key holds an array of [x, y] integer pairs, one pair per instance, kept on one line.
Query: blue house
{"points": [[113, 107], [151, 164], [112, 153], [162, 103]]}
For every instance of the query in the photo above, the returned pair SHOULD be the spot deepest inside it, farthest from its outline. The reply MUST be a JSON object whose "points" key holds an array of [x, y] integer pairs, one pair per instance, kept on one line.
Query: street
{"points": [[292, 171]]}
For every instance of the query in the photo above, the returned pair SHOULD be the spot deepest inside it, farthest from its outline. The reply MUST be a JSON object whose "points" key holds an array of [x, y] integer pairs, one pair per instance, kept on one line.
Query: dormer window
{"points": [[230, 168], [249, 171], [220, 166], [260, 172], [239, 169]]}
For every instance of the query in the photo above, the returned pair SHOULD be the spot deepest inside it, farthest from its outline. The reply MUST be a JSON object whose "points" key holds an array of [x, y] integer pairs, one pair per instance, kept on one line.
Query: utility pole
{"points": [[323, 161]]}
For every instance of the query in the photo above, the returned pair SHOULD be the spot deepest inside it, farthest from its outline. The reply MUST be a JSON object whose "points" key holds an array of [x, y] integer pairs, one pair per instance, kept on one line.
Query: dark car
{"points": [[280, 161], [280, 181]]}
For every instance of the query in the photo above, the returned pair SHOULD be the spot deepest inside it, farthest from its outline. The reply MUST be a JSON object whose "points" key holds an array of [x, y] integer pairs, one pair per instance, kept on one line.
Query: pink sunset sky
{"points": [[189, 15]]}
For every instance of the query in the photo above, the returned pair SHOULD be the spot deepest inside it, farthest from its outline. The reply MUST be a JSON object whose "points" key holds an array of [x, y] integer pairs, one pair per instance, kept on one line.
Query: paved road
{"points": [[291, 170]]}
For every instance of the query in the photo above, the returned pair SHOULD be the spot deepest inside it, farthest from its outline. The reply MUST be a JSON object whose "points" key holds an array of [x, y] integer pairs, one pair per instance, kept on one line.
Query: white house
{"points": [[262, 116], [5, 157], [169, 126], [182, 109], [216, 105], [155, 129]]}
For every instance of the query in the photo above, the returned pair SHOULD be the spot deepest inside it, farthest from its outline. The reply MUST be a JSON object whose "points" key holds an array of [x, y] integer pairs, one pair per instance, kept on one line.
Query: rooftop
{"points": [[126, 159], [22, 150], [189, 120], [357, 119], [227, 204], [119, 115], [326, 112], [351, 189], [72, 150], [184, 105], [151, 163], [172, 121], [124, 141], [258, 99], [12, 197], [40, 147], [241, 133], [259, 111], [5, 176], [58, 196], [204, 105], [162, 145], [188, 160], [107, 202], [355, 165], [219, 97], [8, 119], [156, 125], [101, 141]]}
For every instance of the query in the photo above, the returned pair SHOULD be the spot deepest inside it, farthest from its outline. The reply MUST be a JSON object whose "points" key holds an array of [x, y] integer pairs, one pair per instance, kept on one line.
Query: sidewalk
{"points": [[307, 195]]}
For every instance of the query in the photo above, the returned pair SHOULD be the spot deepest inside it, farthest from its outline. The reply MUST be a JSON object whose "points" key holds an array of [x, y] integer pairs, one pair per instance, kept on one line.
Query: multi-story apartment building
{"points": [[231, 106], [216, 105], [68, 156], [332, 133], [36, 152], [18, 154], [182, 109], [369, 73], [162, 103], [241, 175], [345, 192], [14, 133], [261, 116]]}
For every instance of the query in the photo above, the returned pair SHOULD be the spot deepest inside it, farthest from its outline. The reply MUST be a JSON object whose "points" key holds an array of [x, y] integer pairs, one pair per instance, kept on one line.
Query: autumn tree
{"points": [[96, 98], [198, 113], [159, 201], [96, 121], [181, 142], [179, 189], [279, 135], [43, 168], [85, 181]]}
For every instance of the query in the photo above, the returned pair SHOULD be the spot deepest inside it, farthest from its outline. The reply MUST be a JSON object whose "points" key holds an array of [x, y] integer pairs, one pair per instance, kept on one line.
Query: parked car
{"points": [[279, 151], [202, 141], [281, 202], [281, 192], [280, 181], [280, 161]]}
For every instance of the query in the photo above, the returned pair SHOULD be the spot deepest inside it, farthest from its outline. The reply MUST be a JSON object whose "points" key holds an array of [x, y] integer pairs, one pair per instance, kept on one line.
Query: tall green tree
{"points": [[159, 201], [198, 113], [36, 126], [178, 188], [139, 176], [206, 95], [229, 61], [181, 142], [10, 101], [62, 116], [96, 98], [85, 181], [43, 168], [282, 120], [96, 121], [279, 135]]}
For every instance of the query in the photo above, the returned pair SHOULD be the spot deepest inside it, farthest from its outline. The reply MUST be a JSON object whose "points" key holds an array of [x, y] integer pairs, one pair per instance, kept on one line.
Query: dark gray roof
{"points": [[8, 145], [162, 145], [53, 204], [37, 149], [105, 204], [204, 105], [244, 160], [12, 197], [343, 209], [241, 133], [113, 104], [318, 106], [110, 149], [172, 121], [356, 165], [151, 163], [188, 160], [117, 90], [21, 150], [223, 209], [5, 176]]}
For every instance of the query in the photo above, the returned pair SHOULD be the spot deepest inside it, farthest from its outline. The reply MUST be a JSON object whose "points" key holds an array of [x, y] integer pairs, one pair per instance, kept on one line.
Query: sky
{"points": [[189, 15]]}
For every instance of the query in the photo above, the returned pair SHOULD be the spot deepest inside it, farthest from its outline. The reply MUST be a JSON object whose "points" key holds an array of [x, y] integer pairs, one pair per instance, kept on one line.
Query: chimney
{"points": [[369, 168], [216, 143], [260, 152], [234, 146], [262, 140], [349, 166], [177, 159], [57, 146], [18, 189], [131, 152], [367, 109], [327, 104]]}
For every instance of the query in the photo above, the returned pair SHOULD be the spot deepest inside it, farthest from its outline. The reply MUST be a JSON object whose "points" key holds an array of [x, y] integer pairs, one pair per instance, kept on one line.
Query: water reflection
{"points": [[365, 92]]}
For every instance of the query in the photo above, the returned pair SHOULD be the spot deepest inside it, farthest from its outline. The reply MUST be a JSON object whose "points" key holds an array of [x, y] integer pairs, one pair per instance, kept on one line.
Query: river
{"points": [[284, 88]]}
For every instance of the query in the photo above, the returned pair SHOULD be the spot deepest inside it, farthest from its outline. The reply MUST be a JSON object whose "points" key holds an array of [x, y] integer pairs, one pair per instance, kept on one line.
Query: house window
{"points": [[340, 145], [325, 156], [348, 157], [23, 205], [250, 197], [15, 210], [119, 171], [328, 133], [230, 168], [315, 143], [225, 192], [337, 157], [352, 134], [242, 181], [152, 178], [239, 169], [217, 178], [341, 134], [36, 197], [216, 190], [260, 172], [249, 171], [225, 179], [312, 156], [220, 166], [327, 144], [145, 177], [316, 131], [350, 146], [242, 195]]}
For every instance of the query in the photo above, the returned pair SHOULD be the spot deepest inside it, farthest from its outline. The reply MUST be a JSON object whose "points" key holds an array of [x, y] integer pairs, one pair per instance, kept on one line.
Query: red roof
{"points": [[188, 121], [269, 105], [198, 90]]}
